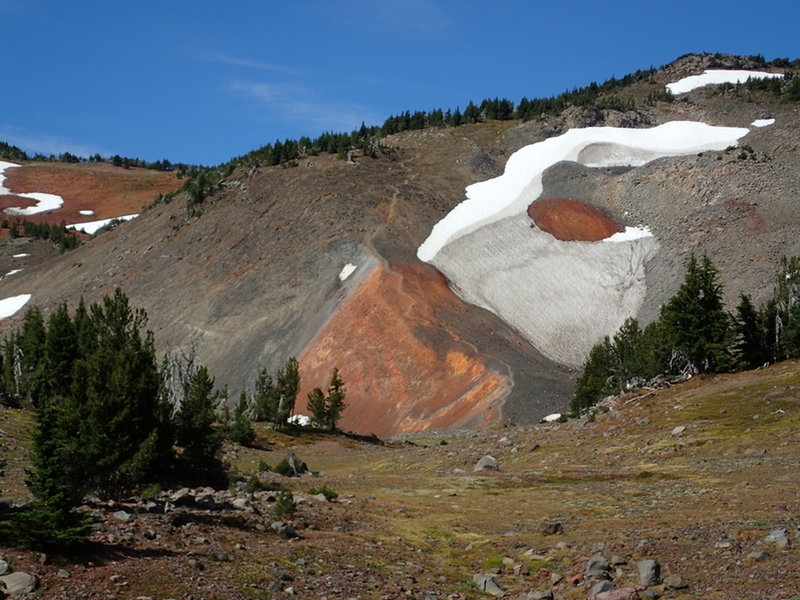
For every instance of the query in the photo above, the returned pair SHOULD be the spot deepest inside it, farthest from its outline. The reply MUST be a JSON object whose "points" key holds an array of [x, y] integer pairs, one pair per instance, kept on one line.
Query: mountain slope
{"points": [[255, 278]]}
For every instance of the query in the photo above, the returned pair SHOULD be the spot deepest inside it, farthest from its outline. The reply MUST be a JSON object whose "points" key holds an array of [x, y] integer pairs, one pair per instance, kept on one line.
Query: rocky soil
{"points": [[682, 493]]}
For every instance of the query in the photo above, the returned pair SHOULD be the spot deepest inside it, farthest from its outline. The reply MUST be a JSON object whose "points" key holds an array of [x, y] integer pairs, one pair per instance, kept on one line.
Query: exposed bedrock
{"points": [[571, 220], [562, 296], [413, 356]]}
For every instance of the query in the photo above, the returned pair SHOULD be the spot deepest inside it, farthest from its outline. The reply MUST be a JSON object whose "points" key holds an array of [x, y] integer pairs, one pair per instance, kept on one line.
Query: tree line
{"points": [[695, 334], [111, 418], [62, 238]]}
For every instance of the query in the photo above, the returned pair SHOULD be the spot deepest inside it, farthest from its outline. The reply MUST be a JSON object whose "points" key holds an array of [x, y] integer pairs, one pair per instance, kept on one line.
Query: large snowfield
{"points": [[44, 202], [562, 296], [716, 77]]}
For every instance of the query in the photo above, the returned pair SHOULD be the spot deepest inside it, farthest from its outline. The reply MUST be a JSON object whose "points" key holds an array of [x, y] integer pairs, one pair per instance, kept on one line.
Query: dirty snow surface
{"points": [[92, 226], [44, 202], [9, 306], [716, 77], [562, 296]]}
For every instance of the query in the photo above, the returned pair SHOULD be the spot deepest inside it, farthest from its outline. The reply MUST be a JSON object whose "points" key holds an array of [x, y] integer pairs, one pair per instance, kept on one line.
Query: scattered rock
{"points": [[600, 587], [678, 431], [649, 572], [63, 574], [552, 529], [539, 595], [778, 537], [4, 568], [674, 582], [626, 593], [486, 463], [485, 582], [123, 516], [19, 583], [758, 555], [617, 560], [285, 529], [597, 567], [556, 578], [298, 466]]}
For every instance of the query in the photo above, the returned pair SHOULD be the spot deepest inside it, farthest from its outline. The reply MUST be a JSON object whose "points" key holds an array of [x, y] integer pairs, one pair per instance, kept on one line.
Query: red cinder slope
{"points": [[571, 220], [403, 368]]}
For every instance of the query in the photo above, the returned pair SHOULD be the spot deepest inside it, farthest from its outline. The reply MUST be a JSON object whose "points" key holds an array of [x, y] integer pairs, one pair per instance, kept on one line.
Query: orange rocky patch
{"points": [[403, 370], [107, 190], [571, 220]]}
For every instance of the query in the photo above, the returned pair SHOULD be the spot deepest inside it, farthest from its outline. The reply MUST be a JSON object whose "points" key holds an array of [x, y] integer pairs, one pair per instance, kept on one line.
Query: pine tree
{"points": [[316, 406], [287, 384], [750, 348], [195, 431], [241, 430], [695, 320], [334, 401]]}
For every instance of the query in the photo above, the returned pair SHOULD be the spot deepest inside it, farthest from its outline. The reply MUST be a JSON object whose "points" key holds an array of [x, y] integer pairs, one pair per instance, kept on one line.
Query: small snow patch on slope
{"points": [[762, 122], [521, 183], [92, 226], [9, 306], [630, 233], [716, 77], [347, 270]]}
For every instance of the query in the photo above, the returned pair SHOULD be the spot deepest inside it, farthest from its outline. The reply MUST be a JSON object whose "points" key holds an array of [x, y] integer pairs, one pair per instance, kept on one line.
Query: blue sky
{"points": [[203, 81]]}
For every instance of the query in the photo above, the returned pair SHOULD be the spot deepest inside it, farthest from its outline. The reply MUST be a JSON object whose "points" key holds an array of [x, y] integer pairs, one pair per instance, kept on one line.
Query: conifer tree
{"points": [[695, 320], [241, 430], [287, 384], [196, 432]]}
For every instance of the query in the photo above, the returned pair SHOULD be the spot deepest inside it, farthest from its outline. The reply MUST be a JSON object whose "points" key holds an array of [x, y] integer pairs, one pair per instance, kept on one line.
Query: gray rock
{"points": [[485, 582], [19, 583], [552, 529], [778, 537], [556, 578], [618, 560], [679, 430], [597, 565], [284, 529], [63, 574], [486, 463], [123, 516], [649, 595], [674, 582], [758, 555], [298, 466], [539, 595], [4, 568], [649, 572], [600, 587]]}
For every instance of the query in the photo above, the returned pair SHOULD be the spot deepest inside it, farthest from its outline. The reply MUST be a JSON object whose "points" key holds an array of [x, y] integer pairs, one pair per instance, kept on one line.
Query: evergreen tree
{"points": [[316, 406], [287, 384], [196, 432], [265, 397], [334, 401], [594, 382], [241, 430], [750, 347], [695, 320]]}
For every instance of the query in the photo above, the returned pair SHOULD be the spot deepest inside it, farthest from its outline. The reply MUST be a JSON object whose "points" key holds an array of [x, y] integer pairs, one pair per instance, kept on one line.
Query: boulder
{"points": [[778, 537], [649, 572], [19, 583], [599, 588], [485, 582], [298, 466], [674, 582], [597, 567], [626, 593], [677, 431], [123, 516], [4, 568], [486, 463], [552, 529]]}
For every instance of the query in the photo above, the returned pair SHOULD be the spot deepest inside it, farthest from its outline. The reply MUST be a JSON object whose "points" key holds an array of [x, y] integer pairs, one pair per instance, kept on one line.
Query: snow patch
{"points": [[716, 77], [552, 418], [347, 270], [87, 213], [630, 233], [301, 420], [44, 202], [23, 255], [9, 306], [762, 122], [13, 272], [521, 183], [92, 226]]}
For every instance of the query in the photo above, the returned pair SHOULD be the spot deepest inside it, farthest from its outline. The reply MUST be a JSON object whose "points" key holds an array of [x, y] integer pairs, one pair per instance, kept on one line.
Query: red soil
{"points": [[107, 190], [571, 220], [410, 373]]}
